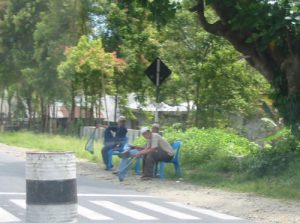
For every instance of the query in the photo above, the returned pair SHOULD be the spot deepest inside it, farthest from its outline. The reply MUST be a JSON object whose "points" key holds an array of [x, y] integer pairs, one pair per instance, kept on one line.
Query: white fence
{"points": [[86, 131]]}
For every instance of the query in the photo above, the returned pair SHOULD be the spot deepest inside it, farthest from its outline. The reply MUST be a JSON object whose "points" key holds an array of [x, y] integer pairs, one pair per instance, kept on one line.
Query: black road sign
{"points": [[158, 72]]}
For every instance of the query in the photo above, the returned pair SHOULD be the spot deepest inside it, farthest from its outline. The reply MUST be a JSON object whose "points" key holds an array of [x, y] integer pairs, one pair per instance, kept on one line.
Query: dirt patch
{"points": [[244, 205]]}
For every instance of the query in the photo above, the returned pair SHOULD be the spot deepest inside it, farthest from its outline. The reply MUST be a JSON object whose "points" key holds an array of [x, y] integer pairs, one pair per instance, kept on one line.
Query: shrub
{"points": [[271, 160], [213, 148]]}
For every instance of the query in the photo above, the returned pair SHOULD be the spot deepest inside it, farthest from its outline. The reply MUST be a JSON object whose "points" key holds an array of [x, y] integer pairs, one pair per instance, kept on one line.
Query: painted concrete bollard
{"points": [[51, 188]]}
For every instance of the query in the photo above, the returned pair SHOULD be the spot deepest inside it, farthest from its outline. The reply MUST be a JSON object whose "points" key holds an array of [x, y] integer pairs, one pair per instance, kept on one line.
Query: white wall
{"points": [[86, 131]]}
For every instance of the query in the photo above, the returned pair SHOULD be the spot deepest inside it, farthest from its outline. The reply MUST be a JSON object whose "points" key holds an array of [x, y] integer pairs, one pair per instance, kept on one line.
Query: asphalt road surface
{"points": [[100, 201]]}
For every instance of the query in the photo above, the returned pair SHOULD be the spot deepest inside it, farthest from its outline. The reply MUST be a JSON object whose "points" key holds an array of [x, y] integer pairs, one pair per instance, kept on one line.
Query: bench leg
{"points": [[162, 170], [137, 166]]}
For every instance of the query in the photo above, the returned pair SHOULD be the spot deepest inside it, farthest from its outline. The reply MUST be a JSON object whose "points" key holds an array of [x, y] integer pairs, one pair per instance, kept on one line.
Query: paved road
{"points": [[100, 201]]}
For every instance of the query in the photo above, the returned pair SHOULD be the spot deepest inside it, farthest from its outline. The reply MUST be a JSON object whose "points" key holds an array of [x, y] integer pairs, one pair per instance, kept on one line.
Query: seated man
{"points": [[112, 142], [157, 149], [130, 152]]}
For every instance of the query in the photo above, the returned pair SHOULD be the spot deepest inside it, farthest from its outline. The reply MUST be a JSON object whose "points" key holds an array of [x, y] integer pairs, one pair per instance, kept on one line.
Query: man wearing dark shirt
{"points": [[114, 137]]}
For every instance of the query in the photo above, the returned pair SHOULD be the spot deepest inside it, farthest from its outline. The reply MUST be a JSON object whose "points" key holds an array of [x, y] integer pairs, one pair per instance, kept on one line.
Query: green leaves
{"points": [[263, 21], [208, 72], [88, 64], [271, 160], [202, 146]]}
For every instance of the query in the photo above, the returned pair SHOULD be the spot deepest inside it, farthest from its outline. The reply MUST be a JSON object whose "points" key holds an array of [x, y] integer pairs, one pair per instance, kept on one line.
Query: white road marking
{"points": [[206, 212], [124, 210], [92, 215], [88, 195], [85, 212], [5, 216], [113, 195], [11, 193], [19, 202], [164, 210]]}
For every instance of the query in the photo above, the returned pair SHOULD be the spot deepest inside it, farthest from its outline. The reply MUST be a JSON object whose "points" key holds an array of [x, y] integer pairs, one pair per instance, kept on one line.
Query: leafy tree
{"points": [[19, 21], [90, 69], [207, 72], [61, 26], [134, 38], [266, 33], [3, 5], [269, 38]]}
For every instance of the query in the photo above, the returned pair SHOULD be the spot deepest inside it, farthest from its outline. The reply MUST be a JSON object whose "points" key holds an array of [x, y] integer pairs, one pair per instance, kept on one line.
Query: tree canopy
{"points": [[59, 51], [266, 32]]}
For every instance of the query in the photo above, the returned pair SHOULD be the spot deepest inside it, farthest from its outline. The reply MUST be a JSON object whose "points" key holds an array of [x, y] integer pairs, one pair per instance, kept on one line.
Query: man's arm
{"points": [[137, 147], [145, 152], [151, 146]]}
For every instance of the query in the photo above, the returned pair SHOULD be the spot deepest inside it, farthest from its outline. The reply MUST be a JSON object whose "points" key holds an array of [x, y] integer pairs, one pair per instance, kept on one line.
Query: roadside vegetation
{"points": [[51, 143], [222, 159], [209, 157]]}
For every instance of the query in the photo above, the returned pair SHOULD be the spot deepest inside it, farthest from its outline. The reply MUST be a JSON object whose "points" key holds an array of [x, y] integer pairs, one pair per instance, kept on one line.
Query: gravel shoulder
{"points": [[244, 205]]}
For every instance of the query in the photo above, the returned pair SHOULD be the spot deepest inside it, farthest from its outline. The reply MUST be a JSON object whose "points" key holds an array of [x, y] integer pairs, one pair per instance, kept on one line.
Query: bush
{"points": [[212, 148], [271, 160]]}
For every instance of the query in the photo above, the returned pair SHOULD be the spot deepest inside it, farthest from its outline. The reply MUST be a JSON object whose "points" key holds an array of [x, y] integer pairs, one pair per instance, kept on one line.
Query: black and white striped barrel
{"points": [[51, 188]]}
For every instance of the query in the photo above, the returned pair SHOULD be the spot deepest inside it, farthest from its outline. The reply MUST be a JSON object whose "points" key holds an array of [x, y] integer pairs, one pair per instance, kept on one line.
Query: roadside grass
{"points": [[284, 185], [51, 143]]}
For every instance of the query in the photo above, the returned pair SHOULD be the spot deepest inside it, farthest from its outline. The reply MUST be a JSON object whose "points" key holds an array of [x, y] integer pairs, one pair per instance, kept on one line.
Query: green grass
{"points": [[284, 186], [51, 143]]}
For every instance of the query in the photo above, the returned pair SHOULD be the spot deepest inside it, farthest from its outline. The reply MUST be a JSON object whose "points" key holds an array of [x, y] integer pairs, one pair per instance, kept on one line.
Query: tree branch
{"points": [[215, 28]]}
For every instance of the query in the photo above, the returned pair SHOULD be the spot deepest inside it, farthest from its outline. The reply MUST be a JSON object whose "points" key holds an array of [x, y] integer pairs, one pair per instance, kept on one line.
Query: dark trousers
{"points": [[150, 159], [107, 146]]}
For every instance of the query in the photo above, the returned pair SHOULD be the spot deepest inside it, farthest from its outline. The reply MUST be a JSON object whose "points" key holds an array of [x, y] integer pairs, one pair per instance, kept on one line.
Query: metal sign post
{"points": [[157, 89]]}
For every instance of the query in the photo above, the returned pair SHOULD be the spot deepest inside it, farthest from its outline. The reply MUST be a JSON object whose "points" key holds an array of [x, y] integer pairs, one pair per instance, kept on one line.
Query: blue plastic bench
{"points": [[176, 161]]}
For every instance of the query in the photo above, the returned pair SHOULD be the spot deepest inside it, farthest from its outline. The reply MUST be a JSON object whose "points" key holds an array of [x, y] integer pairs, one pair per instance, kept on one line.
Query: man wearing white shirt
{"points": [[157, 149]]}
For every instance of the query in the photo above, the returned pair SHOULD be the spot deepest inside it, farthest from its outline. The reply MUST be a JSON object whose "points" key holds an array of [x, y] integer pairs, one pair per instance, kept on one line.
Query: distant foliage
{"points": [[141, 141]]}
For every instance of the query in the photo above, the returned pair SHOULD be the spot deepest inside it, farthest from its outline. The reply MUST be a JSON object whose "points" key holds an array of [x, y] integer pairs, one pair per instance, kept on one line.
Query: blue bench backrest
{"points": [[176, 147]]}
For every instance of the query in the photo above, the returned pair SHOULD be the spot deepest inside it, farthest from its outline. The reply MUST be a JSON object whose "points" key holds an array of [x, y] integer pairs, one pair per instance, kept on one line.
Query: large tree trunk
{"points": [[279, 65]]}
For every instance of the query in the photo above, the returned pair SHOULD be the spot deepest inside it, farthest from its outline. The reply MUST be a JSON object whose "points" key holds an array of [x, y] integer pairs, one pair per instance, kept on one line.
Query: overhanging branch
{"points": [[215, 28]]}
